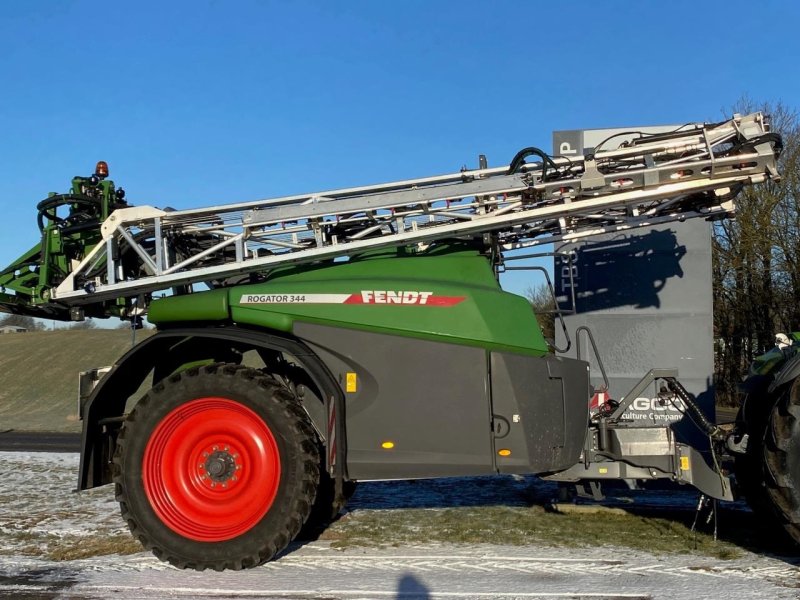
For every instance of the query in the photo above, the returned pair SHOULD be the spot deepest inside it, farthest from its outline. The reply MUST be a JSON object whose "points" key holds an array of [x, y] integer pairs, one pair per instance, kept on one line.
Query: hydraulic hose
{"points": [[48, 206], [699, 417], [519, 160]]}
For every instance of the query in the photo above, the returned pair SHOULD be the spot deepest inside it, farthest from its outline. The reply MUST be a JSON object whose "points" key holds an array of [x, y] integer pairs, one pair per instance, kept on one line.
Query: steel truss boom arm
{"points": [[695, 171]]}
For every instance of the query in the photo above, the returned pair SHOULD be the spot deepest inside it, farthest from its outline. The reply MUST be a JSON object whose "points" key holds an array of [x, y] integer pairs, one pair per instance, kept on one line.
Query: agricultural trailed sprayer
{"points": [[312, 341]]}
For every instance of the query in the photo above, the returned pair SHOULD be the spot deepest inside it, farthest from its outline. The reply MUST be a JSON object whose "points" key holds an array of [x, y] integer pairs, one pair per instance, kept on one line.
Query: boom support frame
{"points": [[695, 171]]}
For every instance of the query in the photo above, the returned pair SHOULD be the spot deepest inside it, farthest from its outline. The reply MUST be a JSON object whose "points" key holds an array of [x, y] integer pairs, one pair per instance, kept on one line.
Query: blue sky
{"points": [[205, 102]]}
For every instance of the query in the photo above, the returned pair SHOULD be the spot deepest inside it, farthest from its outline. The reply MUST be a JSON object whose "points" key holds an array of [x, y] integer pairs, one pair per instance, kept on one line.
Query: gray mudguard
{"points": [[102, 411]]}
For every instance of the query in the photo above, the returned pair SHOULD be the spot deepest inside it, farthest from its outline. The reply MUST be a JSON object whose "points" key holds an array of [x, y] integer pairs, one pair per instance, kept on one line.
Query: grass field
{"points": [[39, 374]]}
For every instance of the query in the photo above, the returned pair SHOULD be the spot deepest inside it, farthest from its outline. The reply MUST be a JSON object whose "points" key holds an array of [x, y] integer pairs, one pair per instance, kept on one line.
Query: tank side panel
{"points": [[427, 400], [541, 411]]}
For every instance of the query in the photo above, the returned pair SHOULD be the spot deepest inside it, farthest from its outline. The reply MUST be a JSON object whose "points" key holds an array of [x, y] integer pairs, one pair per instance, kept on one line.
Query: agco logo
{"points": [[653, 404], [655, 410]]}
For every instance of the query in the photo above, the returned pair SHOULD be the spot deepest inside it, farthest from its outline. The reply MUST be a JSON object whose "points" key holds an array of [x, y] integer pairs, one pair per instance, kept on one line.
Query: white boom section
{"points": [[692, 172]]}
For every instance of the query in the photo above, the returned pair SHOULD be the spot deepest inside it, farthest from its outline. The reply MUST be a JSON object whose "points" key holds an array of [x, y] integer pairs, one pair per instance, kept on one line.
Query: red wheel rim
{"points": [[211, 469]]}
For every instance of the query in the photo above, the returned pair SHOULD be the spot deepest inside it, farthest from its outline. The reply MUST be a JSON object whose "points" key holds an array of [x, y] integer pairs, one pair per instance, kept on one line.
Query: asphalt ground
{"points": [[39, 441]]}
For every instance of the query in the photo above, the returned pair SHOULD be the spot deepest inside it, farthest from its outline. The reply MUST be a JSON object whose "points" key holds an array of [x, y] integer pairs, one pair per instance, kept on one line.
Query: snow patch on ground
{"points": [[39, 511], [38, 502]]}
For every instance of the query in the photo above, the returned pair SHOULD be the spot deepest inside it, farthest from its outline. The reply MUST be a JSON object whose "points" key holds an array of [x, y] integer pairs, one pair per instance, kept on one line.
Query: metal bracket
{"points": [[651, 376]]}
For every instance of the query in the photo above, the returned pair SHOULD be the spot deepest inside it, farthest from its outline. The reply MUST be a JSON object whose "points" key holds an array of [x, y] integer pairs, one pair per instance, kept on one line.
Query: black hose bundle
{"points": [[519, 160], [697, 415]]}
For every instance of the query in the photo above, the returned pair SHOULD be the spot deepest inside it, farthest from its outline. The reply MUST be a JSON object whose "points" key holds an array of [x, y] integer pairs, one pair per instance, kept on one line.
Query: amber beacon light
{"points": [[101, 170]]}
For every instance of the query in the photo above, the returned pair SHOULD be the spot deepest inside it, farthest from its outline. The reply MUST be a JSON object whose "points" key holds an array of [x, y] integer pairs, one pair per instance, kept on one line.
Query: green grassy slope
{"points": [[39, 374]]}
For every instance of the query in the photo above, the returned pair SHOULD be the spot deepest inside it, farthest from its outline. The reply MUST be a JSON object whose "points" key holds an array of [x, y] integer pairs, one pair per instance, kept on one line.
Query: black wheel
{"points": [[782, 460], [752, 419], [216, 467]]}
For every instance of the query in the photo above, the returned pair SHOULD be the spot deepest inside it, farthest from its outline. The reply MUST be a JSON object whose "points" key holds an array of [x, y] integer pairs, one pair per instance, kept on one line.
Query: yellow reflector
{"points": [[504, 452], [602, 470], [684, 463], [387, 445], [352, 383]]}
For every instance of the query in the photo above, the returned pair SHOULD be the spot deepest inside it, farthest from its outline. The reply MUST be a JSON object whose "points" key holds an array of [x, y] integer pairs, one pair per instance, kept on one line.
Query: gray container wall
{"points": [[647, 297]]}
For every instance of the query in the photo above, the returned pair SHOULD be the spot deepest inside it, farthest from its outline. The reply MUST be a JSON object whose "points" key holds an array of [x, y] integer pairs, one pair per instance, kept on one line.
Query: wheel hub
{"points": [[220, 466]]}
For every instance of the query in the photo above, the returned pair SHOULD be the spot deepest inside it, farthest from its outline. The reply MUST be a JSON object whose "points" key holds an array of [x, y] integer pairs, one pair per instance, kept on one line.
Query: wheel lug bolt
{"points": [[205, 454]]}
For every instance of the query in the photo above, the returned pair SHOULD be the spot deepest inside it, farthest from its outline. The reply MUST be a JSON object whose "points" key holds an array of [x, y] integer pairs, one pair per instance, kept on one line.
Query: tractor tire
{"points": [[749, 467], [217, 467], [326, 506], [781, 454]]}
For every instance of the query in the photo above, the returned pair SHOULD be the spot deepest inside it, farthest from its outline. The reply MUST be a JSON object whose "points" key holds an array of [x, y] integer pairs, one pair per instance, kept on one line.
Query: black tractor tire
{"points": [[326, 507], [753, 418], [781, 452], [217, 467]]}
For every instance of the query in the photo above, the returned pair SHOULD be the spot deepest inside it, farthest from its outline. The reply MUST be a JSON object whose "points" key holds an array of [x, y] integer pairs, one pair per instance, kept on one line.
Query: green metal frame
{"points": [[65, 238]]}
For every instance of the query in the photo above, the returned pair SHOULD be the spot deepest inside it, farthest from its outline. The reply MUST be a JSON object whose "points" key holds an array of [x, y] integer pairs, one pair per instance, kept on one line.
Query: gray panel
{"points": [[541, 411], [568, 143], [647, 298], [429, 398]]}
